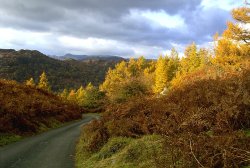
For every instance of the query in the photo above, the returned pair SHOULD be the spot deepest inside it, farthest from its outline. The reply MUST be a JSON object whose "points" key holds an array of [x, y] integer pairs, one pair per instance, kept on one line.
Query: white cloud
{"points": [[22, 39], [89, 43], [95, 46], [222, 4], [157, 18]]}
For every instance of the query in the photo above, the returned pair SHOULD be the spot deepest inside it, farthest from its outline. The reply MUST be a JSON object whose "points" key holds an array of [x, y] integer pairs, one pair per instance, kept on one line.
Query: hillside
{"points": [[27, 110], [24, 64], [207, 113]]}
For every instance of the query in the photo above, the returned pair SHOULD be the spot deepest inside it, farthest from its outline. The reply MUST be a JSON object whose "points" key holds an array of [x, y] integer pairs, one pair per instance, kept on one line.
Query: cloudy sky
{"points": [[111, 27]]}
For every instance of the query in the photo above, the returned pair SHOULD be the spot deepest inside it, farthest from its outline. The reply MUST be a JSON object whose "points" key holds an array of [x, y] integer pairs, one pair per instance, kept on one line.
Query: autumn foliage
{"points": [[208, 110], [200, 104], [26, 109]]}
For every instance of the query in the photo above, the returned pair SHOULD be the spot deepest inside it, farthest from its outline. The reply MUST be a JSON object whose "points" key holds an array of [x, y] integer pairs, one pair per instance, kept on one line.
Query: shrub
{"points": [[203, 119], [25, 109]]}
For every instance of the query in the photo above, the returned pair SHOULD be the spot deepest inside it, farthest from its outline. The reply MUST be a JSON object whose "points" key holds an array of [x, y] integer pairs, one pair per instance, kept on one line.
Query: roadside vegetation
{"points": [[176, 111], [28, 109], [123, 152], [192, 111]]}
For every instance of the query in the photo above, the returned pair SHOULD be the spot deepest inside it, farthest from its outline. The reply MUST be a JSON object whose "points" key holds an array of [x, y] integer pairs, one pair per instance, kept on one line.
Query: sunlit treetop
{"points": [[239, 31]]}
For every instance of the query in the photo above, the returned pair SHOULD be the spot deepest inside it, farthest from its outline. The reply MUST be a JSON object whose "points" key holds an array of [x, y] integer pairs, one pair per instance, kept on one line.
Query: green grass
{"points": [[6, 139], [122, 152]]}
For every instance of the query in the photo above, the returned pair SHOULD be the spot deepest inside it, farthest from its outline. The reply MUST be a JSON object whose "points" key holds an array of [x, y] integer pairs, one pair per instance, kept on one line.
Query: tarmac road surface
{"points": [[52, 149]]}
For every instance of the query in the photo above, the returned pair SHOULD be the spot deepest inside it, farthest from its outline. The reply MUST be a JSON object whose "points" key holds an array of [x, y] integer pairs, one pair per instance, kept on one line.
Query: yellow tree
{"points": [[114, 79], [161, 75], [80, 95], [233, 46], [204, 56], [89, 87], [64, 94], [227, 53], [240, 30], [141, 63], [192, 60], [43, 82], [72, 96], [136, 67], [93, 97], [173, 64], [132, 67], [30, 82]]}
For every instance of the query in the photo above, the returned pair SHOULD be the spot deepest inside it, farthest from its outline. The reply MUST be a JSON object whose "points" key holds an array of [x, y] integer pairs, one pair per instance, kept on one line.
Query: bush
{"points": [[204, 119], [25, 109]]}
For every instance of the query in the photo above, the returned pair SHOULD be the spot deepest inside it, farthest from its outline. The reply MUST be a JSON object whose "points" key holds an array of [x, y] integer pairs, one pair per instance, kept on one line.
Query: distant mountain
{"points": [[69, 73], [89, 57]]}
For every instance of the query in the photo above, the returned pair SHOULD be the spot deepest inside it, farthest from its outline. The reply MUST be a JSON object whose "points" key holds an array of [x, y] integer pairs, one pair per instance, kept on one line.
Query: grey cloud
{"points": [[204, 23], [106, 19]]}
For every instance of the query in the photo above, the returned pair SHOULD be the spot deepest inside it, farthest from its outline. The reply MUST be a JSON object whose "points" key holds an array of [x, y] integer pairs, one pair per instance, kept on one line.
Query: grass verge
{"points": [[122, 152], [9, 138]]}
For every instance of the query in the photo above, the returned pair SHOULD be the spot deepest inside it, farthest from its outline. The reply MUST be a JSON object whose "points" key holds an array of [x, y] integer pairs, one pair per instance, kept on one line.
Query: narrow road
{"points": [[52, 149]]}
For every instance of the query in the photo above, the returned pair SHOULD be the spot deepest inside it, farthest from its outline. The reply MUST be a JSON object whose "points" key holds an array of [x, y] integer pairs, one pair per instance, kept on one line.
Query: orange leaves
{"points": [[201, 118], [23, 109], [242, 14]]}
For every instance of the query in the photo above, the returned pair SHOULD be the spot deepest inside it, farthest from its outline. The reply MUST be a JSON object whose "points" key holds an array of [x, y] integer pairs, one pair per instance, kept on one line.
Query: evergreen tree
{"points": [[43, 82], [30, 82]]}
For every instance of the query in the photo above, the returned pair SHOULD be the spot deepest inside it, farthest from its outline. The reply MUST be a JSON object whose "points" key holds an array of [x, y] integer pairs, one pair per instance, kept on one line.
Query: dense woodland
{"points": [[24, 64], [197, 106]]}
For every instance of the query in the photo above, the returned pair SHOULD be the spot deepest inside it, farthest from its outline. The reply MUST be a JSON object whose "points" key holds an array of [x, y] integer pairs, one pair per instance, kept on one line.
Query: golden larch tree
{"points": [[30, 82], [239, 31], [161, 75], [43, 82]]}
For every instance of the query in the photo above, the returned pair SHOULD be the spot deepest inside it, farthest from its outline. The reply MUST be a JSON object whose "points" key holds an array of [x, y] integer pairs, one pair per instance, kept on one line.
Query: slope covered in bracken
{"points": [[205, 120], [27, 110]]}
